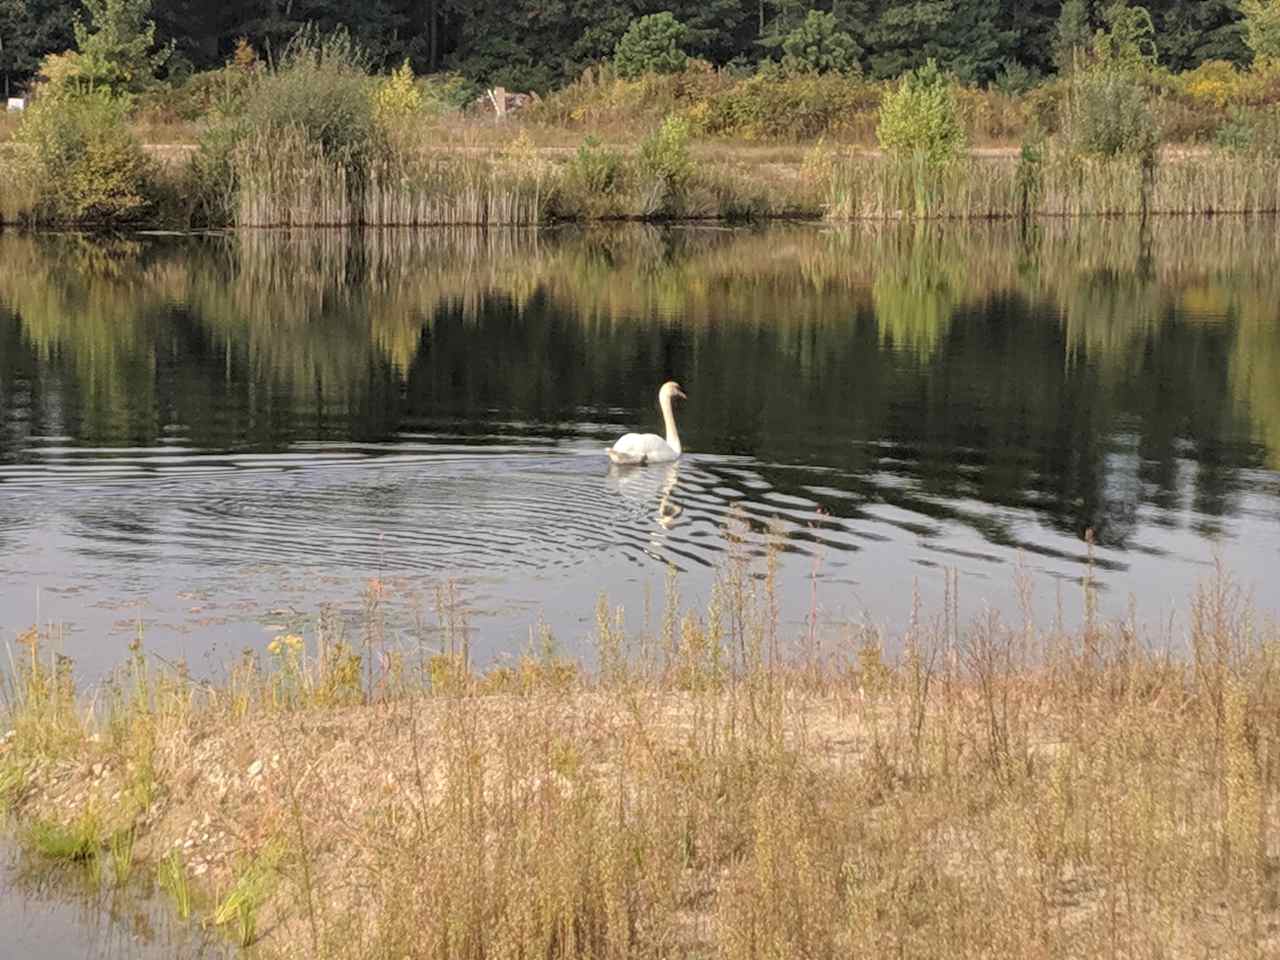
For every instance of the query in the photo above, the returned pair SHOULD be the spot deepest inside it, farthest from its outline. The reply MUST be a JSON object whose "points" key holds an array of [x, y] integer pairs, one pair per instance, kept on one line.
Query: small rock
{"points": [[97, 770], [255, 768], [199, 869]]}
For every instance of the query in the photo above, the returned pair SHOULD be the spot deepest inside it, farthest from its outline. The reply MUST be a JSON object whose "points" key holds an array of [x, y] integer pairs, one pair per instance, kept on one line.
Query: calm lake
{"points": [[210, 439]]}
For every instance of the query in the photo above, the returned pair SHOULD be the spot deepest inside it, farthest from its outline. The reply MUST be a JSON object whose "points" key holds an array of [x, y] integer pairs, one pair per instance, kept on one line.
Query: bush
{"points": [[651, 45], [921, 118], [776, 105], [322, 86], [448, 92], [593, 183], [320, 91], [1108, 114], [1129, 40], [597, 169], [1251, 131], [1215, 82], [1262, 27], [89, 167], [397, 99], [819, 45], [664, 166]]}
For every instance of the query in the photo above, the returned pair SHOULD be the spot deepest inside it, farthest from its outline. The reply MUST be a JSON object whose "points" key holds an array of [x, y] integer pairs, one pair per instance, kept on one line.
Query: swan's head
{"points": [[671, 390]]}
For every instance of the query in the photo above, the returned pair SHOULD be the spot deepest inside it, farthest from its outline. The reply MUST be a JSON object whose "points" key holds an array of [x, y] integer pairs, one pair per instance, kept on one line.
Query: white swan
{"points": [[638, 449]]}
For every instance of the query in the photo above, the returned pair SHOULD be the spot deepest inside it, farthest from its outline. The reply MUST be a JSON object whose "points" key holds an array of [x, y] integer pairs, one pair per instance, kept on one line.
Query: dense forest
{"points": [[537, 44]]}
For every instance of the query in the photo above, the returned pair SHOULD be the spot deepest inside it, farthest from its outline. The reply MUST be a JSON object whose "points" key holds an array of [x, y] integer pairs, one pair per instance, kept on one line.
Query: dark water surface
{"points": [[212, 437]]}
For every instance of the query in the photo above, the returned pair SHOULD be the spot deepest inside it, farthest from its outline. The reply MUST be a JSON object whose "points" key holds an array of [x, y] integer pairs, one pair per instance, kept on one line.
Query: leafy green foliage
{"points": [[597, 169], [1262, 27], [665, 166], [1129, 40], [921, 119], [819, 45], [1251, 132], [1188, 34], [116, 45], [1072, 35], [651, 44], [322, 86], [90, 167], [397, 98], [967, 38], [786, 106], [1108, 114]]}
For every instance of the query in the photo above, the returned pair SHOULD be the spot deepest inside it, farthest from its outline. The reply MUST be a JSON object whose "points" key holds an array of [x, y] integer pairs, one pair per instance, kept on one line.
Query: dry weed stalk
{"points": [[994, 790]]}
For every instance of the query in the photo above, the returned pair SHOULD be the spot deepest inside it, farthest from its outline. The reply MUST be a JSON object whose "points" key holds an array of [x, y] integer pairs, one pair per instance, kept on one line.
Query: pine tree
{"points": [[1073, 33]]}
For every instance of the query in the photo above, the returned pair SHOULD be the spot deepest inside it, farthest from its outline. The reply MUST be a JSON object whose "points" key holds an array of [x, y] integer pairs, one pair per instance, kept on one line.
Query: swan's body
{"points": [[639, 449]]}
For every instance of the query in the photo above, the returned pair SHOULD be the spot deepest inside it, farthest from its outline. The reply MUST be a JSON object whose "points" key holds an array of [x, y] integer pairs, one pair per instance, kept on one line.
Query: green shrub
{"points": [[1129, 40], [651, 45], [1262, 27], [819, 45], [775, 105], [213, 172], [1251, 132], [664, 167], [596, 168], [920, 118], [89, 167], [1108, 114], [322, 86], [593, 184], [321, 94], [399, 111], [448, 92]]}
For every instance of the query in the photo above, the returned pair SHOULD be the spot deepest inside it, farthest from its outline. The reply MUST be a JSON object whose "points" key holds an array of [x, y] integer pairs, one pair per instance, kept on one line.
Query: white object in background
{"points": [[17, 104]]}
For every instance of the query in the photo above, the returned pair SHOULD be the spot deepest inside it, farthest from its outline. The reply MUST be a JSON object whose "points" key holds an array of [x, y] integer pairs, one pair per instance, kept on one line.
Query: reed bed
{"points": [[457, 191], [289, 180], [708, 786], [878, 188]]}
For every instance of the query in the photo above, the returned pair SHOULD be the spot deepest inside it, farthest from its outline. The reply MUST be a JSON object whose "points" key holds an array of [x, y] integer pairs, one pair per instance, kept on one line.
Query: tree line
{"points": [[539, 44]]}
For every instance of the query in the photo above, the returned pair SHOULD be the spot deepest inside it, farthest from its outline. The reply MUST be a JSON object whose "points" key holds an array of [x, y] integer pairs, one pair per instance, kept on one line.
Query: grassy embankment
{"points": [[712, 788], [319, 141]]}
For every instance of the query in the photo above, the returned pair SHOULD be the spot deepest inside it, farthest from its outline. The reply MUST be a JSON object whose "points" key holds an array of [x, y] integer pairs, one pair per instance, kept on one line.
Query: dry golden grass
{"points": [[9, 125], [707, 789]]}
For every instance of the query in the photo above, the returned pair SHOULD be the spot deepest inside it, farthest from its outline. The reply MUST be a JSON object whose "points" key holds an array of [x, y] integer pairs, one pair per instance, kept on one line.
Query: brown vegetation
{"points": [[706, 789]]}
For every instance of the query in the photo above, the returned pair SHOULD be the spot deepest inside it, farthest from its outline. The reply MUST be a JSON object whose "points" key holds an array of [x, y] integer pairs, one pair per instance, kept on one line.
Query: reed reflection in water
{"points": [[196, 432]]}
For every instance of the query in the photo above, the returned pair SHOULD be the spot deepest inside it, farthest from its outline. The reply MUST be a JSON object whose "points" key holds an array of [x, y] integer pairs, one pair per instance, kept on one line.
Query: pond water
{"points": [[210, 438], [64, 913]]}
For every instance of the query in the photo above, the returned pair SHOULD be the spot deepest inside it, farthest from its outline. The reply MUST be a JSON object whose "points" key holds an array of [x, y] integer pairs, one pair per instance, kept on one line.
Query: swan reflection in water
{"points": [[649, 488]]}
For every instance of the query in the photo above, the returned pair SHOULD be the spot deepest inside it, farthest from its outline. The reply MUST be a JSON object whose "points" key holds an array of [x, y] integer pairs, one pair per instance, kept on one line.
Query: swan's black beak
{"points": [[681, 394]]}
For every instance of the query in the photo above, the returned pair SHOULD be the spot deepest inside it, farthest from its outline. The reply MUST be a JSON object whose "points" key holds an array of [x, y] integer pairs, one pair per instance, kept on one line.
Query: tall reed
{"points": [[880, 188], [719, 788], [286, 179]]}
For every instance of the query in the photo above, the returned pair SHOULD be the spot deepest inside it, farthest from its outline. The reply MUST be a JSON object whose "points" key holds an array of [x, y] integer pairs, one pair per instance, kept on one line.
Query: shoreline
{"points": [[486, 187], [711, 789]]}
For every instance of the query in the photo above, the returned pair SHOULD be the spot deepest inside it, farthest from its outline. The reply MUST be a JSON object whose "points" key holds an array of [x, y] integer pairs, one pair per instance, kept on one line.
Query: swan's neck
{"points": [[669, 418]]}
